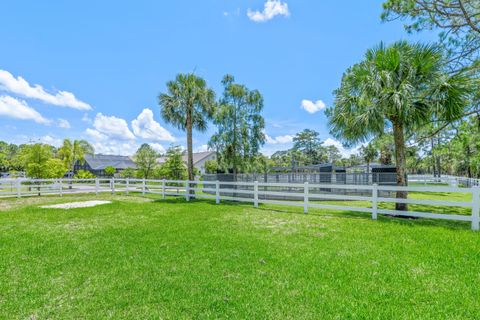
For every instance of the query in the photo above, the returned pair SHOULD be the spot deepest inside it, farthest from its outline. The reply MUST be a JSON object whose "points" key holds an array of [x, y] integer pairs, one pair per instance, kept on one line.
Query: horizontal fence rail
{"points": [[306, 195]]}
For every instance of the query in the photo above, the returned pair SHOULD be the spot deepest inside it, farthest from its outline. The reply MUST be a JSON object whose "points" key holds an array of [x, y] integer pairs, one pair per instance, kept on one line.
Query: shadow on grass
{"points": [[411, 222]]}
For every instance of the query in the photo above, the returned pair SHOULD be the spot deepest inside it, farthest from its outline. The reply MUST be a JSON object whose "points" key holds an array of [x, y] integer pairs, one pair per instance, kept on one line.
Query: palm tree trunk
{"points": [[189, 148], [368, 173], [399, 139]]}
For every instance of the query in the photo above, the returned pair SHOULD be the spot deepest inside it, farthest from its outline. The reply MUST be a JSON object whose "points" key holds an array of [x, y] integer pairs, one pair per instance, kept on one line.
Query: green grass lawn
{"points": [[143, 259]]}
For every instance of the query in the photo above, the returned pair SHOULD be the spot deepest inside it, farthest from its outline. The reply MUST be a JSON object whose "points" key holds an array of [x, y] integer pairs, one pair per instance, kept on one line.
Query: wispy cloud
{"points": [[272, 8], [64, 124], [18, 109], [313, 107], [21, 87]]}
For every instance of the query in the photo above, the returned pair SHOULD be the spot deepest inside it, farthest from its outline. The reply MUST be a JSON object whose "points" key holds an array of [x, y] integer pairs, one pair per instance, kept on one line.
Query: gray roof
{"points": [[197, 157], [101, 161]]}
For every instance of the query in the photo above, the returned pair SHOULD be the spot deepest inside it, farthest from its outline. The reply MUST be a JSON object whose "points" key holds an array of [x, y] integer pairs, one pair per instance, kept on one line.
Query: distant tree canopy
{"points": [[71, 152], [55, 169], [173, 168], [110, 171], [308, 149], [240, 126], [35, 159], [146, 160]]}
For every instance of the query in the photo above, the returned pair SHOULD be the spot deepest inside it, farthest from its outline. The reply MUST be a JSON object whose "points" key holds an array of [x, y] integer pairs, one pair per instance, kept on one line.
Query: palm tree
{"points": [[368, 153], [188, 105], [403, 87], [71, 152]]}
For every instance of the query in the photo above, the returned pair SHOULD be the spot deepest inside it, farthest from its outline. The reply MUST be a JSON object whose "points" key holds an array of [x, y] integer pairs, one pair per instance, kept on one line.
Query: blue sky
{"points": [[115, 57]]}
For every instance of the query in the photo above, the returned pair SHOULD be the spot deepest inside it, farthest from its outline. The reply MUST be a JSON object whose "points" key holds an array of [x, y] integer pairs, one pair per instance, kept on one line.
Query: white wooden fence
{"points": [[300, 195], [444, 179]]}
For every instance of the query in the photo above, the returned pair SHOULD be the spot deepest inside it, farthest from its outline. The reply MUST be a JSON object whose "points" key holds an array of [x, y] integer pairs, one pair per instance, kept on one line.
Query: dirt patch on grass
{"points": [[75, 205]]}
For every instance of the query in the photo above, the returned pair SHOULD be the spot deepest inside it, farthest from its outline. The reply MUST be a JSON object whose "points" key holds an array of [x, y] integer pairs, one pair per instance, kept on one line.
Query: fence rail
{"points": [[306, 195], [444, 179]]}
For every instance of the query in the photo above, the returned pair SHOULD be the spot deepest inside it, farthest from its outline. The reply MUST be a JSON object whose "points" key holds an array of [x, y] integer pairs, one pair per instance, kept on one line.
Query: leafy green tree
{"points": [[369, 153], [7, 157], [128, 173], [402, 86], [332, 153], [55, 169], [174, 167], [4, 165], [211, 166], [35, 160], [309, 143], [71, 152], [384, 144], [240, 126], [110, 171], [457, 20], [146, 160], [188, 105]]}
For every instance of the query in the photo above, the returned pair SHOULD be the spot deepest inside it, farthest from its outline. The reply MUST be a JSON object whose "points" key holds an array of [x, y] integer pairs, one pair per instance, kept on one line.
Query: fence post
{"points": [[375, 202], [187, 190], [255, 194], [112, 183], [127, 183], [306, 190], [61, 187], [19, 188], [475, 208], [97, 186], [163, 189], [143, 186], [217, 192]]}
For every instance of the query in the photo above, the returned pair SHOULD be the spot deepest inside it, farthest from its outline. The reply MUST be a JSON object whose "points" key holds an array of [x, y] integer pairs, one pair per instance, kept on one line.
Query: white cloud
{"points": [[106, 145], [271, 9], [235, 12], [158, 147], [56, 142], [313, 107], [113, 127], [21, 87], [115, 147], [86, 118], [64, 124], [147, 128], [18, 109], [202, 148], [279, 140], [95, 135]]}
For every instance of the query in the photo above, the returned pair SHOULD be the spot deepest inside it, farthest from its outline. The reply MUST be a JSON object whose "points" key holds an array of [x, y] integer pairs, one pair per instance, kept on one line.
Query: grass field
{"points": [[143, 259]]}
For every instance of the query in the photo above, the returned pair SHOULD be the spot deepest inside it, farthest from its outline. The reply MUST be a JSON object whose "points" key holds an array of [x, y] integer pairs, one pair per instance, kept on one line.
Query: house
{"points": [[96, 164], [199, 159]]}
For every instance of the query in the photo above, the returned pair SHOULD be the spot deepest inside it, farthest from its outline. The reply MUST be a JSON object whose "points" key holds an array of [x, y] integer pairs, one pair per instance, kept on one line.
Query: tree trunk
{"points": [[438, 161], [368, 173], [191, 176], [433, 158], [399, 139]]}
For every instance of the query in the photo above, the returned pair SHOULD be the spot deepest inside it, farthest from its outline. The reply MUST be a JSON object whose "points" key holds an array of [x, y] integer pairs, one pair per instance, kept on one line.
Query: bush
{"points": [[84, 174], [110, 171]]}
